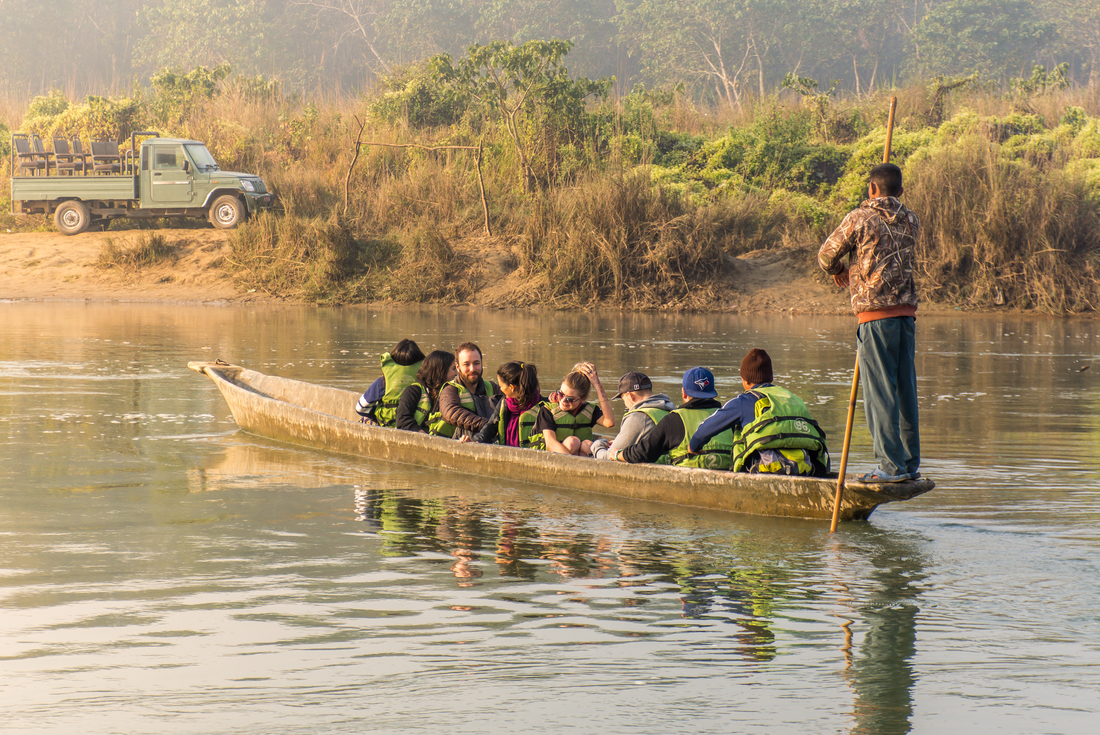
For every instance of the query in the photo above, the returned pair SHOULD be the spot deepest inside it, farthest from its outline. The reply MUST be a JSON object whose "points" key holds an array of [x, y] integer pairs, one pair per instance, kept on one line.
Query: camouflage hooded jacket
{"points": [[883, 235]]}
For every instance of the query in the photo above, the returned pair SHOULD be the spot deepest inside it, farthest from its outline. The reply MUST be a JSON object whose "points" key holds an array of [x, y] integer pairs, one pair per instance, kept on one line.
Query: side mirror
{"points": [[186, 166]]}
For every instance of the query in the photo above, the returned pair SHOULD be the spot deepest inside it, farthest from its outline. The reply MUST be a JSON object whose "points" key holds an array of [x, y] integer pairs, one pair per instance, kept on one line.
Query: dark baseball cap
{"points": [[632, 382], [699, 383]]}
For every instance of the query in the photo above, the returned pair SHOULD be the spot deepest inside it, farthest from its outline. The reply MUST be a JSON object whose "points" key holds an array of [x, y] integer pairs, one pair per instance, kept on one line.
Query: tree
{"points": [[188, 33], [511, 82], [995, 38], [726, 44], [93, 51], [1078, 24]]}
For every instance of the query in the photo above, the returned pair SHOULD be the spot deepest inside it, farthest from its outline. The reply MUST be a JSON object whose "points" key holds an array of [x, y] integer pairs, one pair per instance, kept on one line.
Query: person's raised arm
{"points": [[607, 420]]}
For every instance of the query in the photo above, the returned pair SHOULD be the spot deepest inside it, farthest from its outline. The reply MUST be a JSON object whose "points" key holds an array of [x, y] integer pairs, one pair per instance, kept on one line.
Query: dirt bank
{"points": [[53, 267], [47, 266]]}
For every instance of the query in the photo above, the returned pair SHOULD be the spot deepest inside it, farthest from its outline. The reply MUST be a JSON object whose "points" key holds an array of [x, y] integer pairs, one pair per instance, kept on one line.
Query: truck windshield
{"points": [[202, 157]]}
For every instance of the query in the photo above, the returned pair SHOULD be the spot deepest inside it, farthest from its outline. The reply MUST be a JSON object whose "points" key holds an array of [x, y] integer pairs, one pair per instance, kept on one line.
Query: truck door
{"points": [[170, 185]]}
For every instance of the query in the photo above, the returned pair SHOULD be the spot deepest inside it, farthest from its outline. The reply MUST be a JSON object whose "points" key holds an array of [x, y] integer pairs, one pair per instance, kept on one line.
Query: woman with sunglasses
{"points": [[567, 427]]}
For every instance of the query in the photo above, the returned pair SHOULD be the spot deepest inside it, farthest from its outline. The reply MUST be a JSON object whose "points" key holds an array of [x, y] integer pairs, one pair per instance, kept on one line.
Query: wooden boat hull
{"points": [[317, 416]]}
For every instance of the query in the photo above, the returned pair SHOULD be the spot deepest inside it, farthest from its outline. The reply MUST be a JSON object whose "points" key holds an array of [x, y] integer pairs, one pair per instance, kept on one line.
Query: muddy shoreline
{"points": [[47, 266]]}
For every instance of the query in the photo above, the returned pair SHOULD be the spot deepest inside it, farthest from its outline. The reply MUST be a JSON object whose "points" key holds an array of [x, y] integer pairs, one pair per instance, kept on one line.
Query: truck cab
{"points": [[158, 177]]}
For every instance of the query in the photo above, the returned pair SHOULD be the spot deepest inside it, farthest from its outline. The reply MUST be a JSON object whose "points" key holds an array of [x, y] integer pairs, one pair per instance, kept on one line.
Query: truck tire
{"points": [[226, 212], [72, 217]]}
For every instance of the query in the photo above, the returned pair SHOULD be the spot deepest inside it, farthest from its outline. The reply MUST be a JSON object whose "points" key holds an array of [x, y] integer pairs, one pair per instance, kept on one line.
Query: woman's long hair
{"points": [[433, 373], [523, 375]]}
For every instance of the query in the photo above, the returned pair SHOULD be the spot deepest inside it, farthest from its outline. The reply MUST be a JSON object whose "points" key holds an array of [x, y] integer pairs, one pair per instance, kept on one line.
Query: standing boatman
{"points": [[881, 238]]}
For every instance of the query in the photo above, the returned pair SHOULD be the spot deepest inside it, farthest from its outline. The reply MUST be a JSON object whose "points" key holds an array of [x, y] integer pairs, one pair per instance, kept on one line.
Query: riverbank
{"points": [[48, 266]]}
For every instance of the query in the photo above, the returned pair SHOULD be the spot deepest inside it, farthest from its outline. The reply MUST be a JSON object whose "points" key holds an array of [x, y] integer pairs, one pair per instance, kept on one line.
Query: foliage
{"points": [[624, 240], [256, 89], [1040, 82], [733, 52], [776, 151], [993, 38], [206, 32], [412, 94], [176, 95], [96, 118], [656, 226], [524, 88]]}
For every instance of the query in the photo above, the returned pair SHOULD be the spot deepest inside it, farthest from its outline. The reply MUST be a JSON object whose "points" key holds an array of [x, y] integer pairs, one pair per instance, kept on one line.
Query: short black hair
{"points": [[887, 177], [406, 352]]}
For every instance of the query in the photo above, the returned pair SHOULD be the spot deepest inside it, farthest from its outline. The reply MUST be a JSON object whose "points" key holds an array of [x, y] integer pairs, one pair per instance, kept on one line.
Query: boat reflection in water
{"points": [[760, 598]]}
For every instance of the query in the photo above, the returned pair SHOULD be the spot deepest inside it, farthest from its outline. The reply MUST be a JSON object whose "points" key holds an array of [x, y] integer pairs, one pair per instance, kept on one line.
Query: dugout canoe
{"points": [[316, 416]]}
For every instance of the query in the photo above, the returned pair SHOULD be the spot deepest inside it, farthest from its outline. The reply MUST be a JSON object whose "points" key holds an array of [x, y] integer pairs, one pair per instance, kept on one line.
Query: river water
{"points": [[162, 572]]}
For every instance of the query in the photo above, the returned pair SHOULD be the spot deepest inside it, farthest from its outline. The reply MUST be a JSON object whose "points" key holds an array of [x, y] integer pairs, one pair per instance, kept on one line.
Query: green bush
{"points": [[176, 96], [412, 95]]}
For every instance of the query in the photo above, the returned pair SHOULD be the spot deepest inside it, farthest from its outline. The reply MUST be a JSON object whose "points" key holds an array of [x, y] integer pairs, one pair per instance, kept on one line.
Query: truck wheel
{"points": [[226, 212], [72, 217]]}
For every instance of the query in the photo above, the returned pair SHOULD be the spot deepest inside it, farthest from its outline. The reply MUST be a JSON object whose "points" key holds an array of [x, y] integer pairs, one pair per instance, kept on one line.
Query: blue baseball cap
{"points": [[699, 383]]}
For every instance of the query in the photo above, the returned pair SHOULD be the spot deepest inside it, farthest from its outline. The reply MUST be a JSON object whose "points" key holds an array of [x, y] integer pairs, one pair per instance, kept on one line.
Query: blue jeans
{"points": [[888, 377]]}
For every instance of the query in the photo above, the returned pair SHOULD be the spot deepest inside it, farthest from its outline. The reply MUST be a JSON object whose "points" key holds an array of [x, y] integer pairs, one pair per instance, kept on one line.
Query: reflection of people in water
{"points": [[738, 599]]}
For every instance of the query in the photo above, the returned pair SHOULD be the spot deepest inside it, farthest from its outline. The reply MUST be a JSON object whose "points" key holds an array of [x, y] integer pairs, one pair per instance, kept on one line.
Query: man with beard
{"points": [[466, 403]]}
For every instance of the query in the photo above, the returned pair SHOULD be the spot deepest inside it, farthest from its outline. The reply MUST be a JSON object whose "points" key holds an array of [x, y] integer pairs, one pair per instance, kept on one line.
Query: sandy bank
{"points": [[47, 266]]}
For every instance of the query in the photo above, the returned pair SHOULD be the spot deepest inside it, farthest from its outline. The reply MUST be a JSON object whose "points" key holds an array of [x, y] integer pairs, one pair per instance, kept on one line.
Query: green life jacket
{"points": [[526, 427], [655, 415], [579, 426], [782, 423], [438, 426], [715, 455], [398, 378], [423, 407]]}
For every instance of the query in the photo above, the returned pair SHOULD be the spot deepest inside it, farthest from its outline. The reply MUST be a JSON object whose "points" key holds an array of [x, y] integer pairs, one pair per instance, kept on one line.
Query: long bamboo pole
{"points": [[855, 373]]}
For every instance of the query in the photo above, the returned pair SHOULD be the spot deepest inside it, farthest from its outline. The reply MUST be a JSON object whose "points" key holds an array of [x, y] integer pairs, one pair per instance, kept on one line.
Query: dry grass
{"points": [[148, 249], [997, 232], [309, 259], [623, 241]]}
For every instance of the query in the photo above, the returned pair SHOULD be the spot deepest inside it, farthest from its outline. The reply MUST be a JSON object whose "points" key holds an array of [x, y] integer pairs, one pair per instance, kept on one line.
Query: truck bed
{"points": [[85, 188]]}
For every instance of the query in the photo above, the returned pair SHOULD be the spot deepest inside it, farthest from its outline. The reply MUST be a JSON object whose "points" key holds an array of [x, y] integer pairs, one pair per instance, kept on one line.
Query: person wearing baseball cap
{"points": [[671, 434], [644, 410], [772, 428]]}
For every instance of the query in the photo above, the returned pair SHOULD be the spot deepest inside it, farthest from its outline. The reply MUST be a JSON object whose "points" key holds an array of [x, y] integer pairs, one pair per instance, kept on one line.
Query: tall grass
{"points": [[628, 242], [999, 232], [309, 259]]}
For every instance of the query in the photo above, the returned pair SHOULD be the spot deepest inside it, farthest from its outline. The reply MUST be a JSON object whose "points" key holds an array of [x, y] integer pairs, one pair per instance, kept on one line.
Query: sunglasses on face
{"points": [[569, 399]]}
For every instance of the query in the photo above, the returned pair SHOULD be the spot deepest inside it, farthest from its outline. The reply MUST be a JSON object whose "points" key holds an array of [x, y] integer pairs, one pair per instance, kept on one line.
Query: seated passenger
{"points": [[566, 428], [643, 411], [671, 434], [466, 402], [418, 406], [378, 405], [772, 428], [514, 420]]}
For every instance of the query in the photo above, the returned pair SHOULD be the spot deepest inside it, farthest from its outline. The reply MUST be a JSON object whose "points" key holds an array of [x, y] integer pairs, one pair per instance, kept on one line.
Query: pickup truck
{"points": [[161, 177]]}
